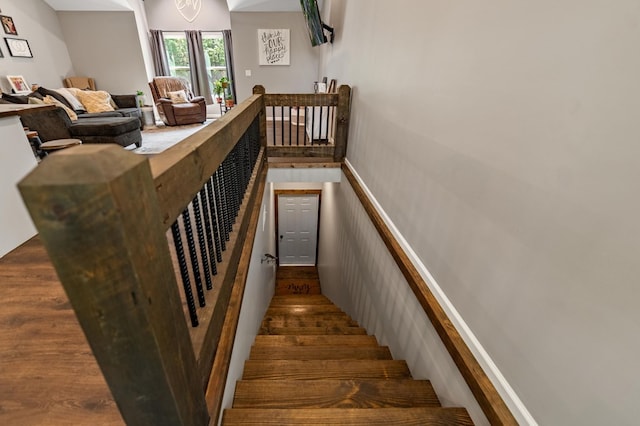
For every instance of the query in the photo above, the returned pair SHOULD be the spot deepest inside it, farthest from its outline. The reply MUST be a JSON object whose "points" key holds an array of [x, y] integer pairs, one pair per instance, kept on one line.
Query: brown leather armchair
{"points": [[174, 114]]}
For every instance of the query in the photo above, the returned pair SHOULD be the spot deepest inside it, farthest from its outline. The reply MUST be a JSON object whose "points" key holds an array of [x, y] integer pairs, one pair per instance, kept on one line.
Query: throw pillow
{"points": [[53, 101], [178, 97], [44, 92], [98, 101], [71, 98]]}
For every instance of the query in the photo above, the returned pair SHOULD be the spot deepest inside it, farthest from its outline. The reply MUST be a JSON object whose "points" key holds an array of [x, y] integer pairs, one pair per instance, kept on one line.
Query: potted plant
{"points": [[141, 98], [224, 81], [218, 89], [229, 101]]}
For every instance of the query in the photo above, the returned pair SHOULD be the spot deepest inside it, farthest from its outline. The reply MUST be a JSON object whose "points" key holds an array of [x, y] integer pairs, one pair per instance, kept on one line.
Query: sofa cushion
{"points": [[98, 101], [107, 126]]}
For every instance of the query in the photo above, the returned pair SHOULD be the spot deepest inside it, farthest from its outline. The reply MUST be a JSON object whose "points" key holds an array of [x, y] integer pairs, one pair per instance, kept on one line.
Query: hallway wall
{"points": [[501, 139], [359, 275]]}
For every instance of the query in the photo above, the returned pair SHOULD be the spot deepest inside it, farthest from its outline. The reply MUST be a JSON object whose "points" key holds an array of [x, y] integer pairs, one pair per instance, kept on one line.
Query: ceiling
{"points": [[234, 5]]}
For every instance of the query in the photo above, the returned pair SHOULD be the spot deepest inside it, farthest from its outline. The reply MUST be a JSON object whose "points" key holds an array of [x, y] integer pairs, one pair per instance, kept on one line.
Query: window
{"points": [[178, 55]]}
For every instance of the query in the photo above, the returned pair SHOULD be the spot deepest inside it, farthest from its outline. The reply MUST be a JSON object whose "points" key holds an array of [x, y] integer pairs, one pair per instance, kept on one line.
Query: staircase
{"points": [[313, 364]]}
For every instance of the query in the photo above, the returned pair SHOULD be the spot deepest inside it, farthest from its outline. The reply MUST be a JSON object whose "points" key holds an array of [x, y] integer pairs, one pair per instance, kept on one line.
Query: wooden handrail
{"points": [[340, 101], [481, 386], [102, 213]]}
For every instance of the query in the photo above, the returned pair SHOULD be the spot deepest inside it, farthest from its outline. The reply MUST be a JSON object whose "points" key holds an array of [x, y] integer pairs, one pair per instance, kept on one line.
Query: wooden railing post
{"points": [[342, 122], [96, 209], [260, 90]]}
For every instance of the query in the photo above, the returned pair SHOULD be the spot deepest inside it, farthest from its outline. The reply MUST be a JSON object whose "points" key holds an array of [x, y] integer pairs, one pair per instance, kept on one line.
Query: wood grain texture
{"points": [[483, 389], [301, 99], [48, 374], [301, 151], [294, 331], [300, 300], [317, 340], [334, 394], [342, 122], [320, 352], [97, 203], [349, 416], [325, 369]]}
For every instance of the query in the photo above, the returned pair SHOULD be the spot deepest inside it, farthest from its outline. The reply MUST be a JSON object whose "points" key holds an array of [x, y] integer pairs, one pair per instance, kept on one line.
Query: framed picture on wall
{"points": [[18, 84], [8, 25], [18, 47], [273, 47]]}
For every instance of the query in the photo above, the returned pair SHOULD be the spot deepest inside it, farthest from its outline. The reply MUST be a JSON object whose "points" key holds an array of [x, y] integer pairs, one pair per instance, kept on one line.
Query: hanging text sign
{"points": [[273, 47]]}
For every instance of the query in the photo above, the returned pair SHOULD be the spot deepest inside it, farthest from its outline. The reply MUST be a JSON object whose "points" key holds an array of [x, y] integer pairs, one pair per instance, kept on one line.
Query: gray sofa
{"points": [[54, 124], [121, 126]]}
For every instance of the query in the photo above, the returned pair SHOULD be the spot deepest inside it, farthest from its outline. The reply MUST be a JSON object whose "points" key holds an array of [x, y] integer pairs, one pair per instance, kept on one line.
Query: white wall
{"points": [[37, 23], [501, 139], [298, 77], [106, 46], [257, 296], [163, 15], [359, 275]]}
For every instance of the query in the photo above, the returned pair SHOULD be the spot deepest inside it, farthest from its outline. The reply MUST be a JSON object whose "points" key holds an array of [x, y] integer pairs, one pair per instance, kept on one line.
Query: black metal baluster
{"points": [[320, 126], [214, 225], [304, 140], [273, 124], [224, 190], [282, 124], [202, 243], [186, 220], [219, 211], [290, 127], [184, 273], [216, 214], [313, 123], [235, 183], [209, 233]]}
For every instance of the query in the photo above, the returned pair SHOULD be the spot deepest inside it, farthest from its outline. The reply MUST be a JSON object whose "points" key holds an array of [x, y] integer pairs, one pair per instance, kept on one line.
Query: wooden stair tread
{"points": [[334, 394], [333, 329], [315, 340], [300, 299], [303, 309], [318, 321], [348, 416], [320, 352], [325, 369], [297, 272], [327, 316]]}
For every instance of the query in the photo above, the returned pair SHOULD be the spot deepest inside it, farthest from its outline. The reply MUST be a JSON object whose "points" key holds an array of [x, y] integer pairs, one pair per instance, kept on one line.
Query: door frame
{"points": [[278, 192]]}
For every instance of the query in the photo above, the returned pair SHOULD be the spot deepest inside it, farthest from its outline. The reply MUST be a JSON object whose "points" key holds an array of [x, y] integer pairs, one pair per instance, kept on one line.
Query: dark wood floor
{"points": [[48, 375]]}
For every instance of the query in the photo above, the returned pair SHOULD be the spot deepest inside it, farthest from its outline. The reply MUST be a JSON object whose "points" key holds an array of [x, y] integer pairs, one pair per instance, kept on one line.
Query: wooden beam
{"points": [[259, 90], [96, 210], [300, 99], [342, 122], [482, 388]]}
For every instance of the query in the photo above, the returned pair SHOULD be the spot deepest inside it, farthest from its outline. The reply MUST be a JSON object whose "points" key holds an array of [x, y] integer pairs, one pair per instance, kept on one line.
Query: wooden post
{"points": [[96, 209], [342, 122], [260, 90]]}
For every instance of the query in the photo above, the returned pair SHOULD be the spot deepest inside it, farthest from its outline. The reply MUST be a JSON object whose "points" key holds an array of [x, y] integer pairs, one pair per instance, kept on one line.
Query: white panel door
{"points": [[297, 228]]}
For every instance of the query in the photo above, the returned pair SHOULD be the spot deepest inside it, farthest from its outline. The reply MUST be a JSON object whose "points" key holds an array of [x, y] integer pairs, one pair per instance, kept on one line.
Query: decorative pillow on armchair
{"points": [[178, 97], [98, 101]]}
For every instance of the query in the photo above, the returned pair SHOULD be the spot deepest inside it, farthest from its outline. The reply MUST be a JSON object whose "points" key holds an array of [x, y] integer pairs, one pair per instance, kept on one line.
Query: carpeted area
{"points": [[158, 138]]}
